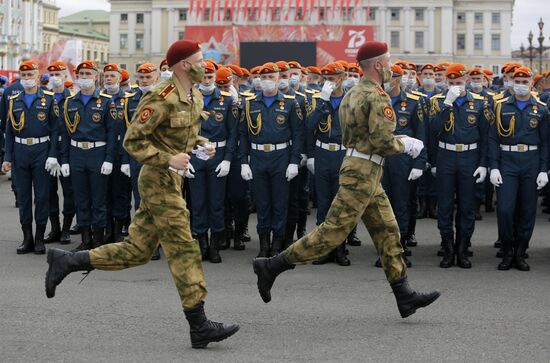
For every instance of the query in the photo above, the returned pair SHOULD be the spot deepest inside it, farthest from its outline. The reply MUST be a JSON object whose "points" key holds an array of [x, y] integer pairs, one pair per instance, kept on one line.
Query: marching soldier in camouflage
{"points": [[163, 131], [368, 122]]}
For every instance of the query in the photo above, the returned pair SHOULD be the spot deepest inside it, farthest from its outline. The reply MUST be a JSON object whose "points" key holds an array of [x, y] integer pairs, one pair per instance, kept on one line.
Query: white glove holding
{"points": [[52, 166], [125, 169], [234, 93], [106, 168], [65, 170], [246, 172], [328, 87], [434, 171], [496, 178], [190, 172], [481, 173], [303, 161], [223, 168], [413, 146], [542, 180], [291, 171], [415, 174], [311, 165], [452, 95]]}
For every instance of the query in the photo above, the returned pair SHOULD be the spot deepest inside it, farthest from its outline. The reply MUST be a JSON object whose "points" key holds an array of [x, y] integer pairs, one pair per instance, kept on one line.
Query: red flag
{"points": [[238, 10], [260, 8], [287, 9], [198, 10], [334, 7], [219, 9], [348, 8], [204, 6], [225, 5], [212, 7], [245, 9], [296, 8], [253, 9], [304, 9], [191, 3], [274, 9]]}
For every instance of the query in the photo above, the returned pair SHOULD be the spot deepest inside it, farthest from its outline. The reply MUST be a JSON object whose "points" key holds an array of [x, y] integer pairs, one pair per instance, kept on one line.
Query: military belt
{"points": [[330, 146], [31, 140], [269, 147], [457, 147], [218, 143], [519, 148], [375, 158], [86, 145]]}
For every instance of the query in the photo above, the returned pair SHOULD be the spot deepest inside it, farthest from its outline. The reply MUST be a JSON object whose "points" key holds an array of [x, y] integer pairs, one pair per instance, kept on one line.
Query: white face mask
{"points": [[257, 83], [388, 87], [294, 80], [430, 82], [268, 85], [85, 83], [404, 81], [28, 83], [56, 81], [412, 82], [461, 88], [112, 88], [283, 83], [521, 89], [145, 89], [509, 84], [476, 86], [165, 75], [207, 90], [441, 84]]}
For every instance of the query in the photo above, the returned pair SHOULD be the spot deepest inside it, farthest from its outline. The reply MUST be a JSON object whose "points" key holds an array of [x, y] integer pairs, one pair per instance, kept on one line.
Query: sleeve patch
{"points": [[145, 115], [388, 113]]}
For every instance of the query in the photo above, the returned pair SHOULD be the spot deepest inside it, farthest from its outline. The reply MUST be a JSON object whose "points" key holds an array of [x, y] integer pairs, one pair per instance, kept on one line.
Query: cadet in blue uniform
{"points": [[58, 76], [208, 178], [326, 153], [314, 78], [460, 122], [89, 147], [31, 145], [518, 156], [270, 133]]}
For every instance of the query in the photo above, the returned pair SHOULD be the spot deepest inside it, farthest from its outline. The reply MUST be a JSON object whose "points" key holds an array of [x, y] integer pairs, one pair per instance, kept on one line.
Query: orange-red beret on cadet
{"points": [[255, 70], [146, 68], [354, 68], [29, 65], [314, 69], [269, 67], [235, 69], [475, 72], [209, 67], [163, 63], [57, 66], [397, 71], [412, 66], [537, 78], [456, 70], [488, 72], [511, 67], [68, 84], [125, 75], [111, 68], [245, 71], [283, 66], [294, 65], [223, 76], [522, 72], [181, 49], [304, 70], [371, 49], [427, 66], [88, 64], [332, 69]]}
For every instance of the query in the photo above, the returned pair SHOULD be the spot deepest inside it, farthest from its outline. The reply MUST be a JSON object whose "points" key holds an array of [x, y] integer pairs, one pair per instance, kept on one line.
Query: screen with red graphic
{"points": [[255, 53]]}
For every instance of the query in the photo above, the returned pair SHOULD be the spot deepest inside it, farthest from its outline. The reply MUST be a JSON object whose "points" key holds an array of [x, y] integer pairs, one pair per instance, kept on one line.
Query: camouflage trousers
{"points": [[161, 218], [360, 195]]}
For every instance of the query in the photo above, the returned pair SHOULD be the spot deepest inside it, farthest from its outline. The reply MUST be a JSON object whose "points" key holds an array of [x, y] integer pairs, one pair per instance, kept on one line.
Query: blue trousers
{"points": [[237, 196], [29, 162], [327, 174], [89, 185], [398, 189], [118, 193], [135, 168], [68, 196]]}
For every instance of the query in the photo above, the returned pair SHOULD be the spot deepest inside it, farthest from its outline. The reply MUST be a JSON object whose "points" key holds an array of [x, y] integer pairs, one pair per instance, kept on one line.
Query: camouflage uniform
{"points": [[166, 123], [368, 122]]}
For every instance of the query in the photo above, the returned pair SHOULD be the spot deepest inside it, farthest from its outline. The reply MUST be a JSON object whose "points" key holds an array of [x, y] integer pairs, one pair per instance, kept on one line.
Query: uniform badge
{"points": [[403, 105], [471, 103], [218, 116], [113, 113], [388, 113], [235, 112], [121, 114], [43, 101], [221, 100], [533, 123], [489, 115], [56, 108], [282, 105], [472, 119], [420, 114], [41, 116], [96, 117], [98, 102], [403, 121], [280, 119], [145, 115]]}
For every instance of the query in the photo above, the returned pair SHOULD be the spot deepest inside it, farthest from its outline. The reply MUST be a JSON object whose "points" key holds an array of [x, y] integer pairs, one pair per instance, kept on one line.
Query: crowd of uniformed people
{"points": [[279, 150]]}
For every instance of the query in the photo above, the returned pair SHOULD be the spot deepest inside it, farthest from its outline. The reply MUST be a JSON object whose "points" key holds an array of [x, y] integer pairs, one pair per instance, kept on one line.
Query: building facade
{"points": [[50, 24]]}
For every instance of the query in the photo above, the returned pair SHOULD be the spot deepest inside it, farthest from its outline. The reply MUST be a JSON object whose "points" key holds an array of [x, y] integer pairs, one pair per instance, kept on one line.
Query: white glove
{"points": [[52, 166], [106, 168], [496, 178], [542, 180], [452, 95], [480, 172], [434, 171], [190, 172], [328, 87], [291, 171], [65, 170], [303, 161], [125, 169], [311, 165], [415, 174], [246, 172], [234, 93], [223, 168], [413, 146]]}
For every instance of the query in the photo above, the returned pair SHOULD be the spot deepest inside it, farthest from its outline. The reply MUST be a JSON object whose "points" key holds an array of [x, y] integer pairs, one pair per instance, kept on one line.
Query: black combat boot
{"points": [[352, 238], [125, 226], [500, 252], [329, 257], [408, 300], [214, 251], [203, 245], [27, 245], [489, 208], [479, 217], [422, 211], [403, 242], [289, 234], [411, 240], [156, 254], [228, 235], [378, 262], [497, 244], [301, 227], [461, 255], [39, 248], [99, 235], [86, 244], [469, 252], [75, 229], [61, 263], [117, 232], [55, 232], [109, 234], [246, 235], [432, 208], [340, 255], [264, 244], [238, 244], [65, 238], [204, 331], [448, 253], [508, 256], [267, 270], [519, 262], [276, 245]]}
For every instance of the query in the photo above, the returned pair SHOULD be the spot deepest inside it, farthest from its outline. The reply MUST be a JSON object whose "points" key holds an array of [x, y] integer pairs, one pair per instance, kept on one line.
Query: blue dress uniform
{"points": [[130, 107], [219, 126], [89, 140], [411, 112], [461, 132], [31, 138], [270, 133], [518, 148]]}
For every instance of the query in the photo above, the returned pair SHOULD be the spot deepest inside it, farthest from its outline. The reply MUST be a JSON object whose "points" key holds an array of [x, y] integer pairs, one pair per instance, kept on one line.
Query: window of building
{"points": [[372, 14], [123, 18], [182, 14], [123, 65], [419, 39], [227, 15], [419, 14], [298, 14], [478, 41], [89, 55], [139, 40], [495, 42], [495, 18], [123, 41], [253, 14], [207, 14], [478, 18], [277, 14], [95, 55], [460, 41], [322, 14], [348, 13], [139, 18], [394, 14], [394, 39], [460, 17], [181, 35], [495, 68]]}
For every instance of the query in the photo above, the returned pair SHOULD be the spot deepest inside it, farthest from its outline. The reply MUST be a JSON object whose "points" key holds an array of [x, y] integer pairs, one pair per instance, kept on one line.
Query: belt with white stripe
{"points": [[59, 138], [31, 140], [457, 147], [179, 172], [519, 148], [375, 158], [329, 146], [269, 147], [86, 145], [219, 143]]}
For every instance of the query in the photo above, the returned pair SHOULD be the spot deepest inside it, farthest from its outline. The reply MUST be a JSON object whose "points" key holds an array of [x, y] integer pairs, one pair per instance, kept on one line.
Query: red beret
{"points": [[304, 70], [283, 66], [68, 84], [475, 72], [146, 68], [88, 64], [537, 78], [371, 49], [245, 71], [511, 67], [314, 69], [456, 70], [488, 72], [269, 68], [354, 68], [29, 65], [163, 63], [125, 75], [344, 64], [441, 67], [209, 67], [111, 68], [255, 70], [57, 67], [235, 69], [522, 72], [411, 66], [181, 49], [332, 69], [224, 76], [427, 66], [294, 65], [396, 70]]}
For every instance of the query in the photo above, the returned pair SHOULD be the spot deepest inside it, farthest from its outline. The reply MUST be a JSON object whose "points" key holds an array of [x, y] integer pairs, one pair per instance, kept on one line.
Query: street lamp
{"points": [[540, 39], [530, 39]]}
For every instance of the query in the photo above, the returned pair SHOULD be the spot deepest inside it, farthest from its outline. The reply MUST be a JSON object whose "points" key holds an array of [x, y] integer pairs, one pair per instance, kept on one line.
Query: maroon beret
{"points": [[371, 49], [180, 50]]}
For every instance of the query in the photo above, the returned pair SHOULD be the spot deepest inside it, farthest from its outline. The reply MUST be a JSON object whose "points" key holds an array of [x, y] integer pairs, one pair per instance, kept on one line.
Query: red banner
{"points": [[221, 43]]}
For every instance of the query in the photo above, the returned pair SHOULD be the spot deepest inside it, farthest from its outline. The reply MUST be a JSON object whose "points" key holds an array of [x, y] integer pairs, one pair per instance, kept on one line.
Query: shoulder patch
{"points": [[539, 101], [413, 96], [502, 100], [12, 97], [101, 94], [475, 96], [129, 94], [380, 90], [311, 91], [498, 96], [300, 94], [316, 95], [290, 97], [146, 115], [167, 91], [419, 93], [490, 93], [439, 95], [388, 113], [250, 98], [225, 93], [49, 93]]}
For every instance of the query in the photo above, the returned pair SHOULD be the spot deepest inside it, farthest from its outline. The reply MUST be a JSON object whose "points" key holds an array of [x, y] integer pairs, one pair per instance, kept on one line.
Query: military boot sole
{"points": [[203, 343], [25, 251], [434, 296]]}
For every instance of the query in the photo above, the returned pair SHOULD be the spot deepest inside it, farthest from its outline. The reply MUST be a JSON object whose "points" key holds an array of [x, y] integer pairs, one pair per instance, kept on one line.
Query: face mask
{"points": [[28, 83], [145, 89], [461, 88], [441, 84], [268, 85], [412, 82], [283, 84], [388, 87], [112, 88], [476, 85], [195, 73], [56, 81], [509, 84], [257, 83], [430, 82], [207, 90], [85, 83], [165, 75], [294, 80], [404, 81], [521, 89]]}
